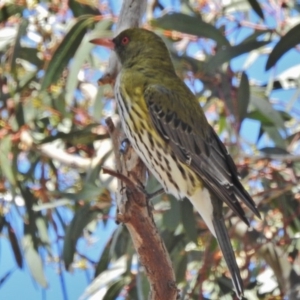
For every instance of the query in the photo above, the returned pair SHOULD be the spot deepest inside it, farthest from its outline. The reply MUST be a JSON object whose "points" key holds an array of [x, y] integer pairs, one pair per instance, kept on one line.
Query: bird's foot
{"points": [[124, 146], [151, 196]]}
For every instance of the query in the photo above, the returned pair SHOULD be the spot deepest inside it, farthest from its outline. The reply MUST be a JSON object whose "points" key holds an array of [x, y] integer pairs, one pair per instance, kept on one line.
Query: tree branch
{"points": [[134, 211], [277, 157], [130, 16], [133, 207]]}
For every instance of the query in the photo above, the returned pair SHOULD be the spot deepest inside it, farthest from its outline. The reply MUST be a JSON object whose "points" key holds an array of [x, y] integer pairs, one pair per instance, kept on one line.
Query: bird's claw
{"points": [[124, 146], [151, 196]]}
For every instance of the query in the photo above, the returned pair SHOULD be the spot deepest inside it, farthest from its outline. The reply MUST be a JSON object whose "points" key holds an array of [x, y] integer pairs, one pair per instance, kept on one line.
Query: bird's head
{"points": [[136, 46], [139, 44]]}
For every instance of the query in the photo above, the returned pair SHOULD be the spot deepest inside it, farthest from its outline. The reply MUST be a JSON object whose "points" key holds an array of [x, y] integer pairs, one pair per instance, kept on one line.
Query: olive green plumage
{"points": [[167, 127]]}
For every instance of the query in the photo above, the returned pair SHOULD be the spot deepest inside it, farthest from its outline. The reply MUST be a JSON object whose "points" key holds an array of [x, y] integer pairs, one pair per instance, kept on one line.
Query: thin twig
{"points": [[118, 175]]}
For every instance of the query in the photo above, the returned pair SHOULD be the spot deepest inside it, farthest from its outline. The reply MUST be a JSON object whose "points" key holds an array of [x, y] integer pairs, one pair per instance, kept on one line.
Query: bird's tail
{"points": [[211, 210], [226, 248]]}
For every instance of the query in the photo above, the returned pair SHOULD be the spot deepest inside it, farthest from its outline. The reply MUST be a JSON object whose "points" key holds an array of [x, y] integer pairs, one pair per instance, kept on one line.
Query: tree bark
{"points": [[135, 212]]}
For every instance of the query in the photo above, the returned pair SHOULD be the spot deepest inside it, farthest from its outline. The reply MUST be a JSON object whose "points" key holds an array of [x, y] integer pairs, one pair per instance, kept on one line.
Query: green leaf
{"points": [[191, 25], [17, 45], [186, 62], [114, 290], [104, 260], [6, 276], [181, 266], [7, 10], [171, 240], [274, 135], [81, 56], [24, 82], [188, 220], [243, 96], [222, 123], [225, 285], [5, 164], [74, 231], [227, 94], [293, 137], [76, 136], [256, 7], [20, 114], [265, 120], [30, 55], [89, 191], [266, 109], [41, 225], [98, 104], [66, 50], [79, 9], [15, 245], [34, 261], [121, 241], [53, 204], [142, 285], [257, 33], [171, 217], [30, 224], [59, 103], [227, 53], [287, 42], [2, 222], [274, 150]]}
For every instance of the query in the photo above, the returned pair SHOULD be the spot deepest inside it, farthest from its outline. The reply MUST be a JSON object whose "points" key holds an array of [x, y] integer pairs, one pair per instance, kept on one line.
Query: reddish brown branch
{"points": [[135, 213], [121, 177]]}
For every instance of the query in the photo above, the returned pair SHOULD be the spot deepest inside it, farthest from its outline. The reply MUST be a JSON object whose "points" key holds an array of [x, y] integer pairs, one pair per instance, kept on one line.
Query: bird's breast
{"points": [[175, 177]]}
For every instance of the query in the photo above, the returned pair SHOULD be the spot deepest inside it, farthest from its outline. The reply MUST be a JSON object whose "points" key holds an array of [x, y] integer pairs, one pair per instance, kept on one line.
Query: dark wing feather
{"points": [[195, 143]]}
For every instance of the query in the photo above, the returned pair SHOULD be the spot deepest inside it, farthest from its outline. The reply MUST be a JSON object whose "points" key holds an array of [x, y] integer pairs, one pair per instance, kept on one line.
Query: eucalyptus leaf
{"points": [[275, 136], [81, 56], [286, 43], [89, 192], [34, 261], [256, 7], [191, 25], [6, 276], [115, 289], [104, 260], [266, 108], [5, 163], [188, 220], [227, 53], [17, 46], [9, 9], [15, 245], [243, 96], [42, 228], [66, 50], [171, 217], [274, 151], [181, 269], [80, 220]]}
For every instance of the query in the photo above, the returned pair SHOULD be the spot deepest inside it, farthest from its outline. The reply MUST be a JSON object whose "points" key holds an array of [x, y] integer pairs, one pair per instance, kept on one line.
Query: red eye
{"points": [[125, 40]]}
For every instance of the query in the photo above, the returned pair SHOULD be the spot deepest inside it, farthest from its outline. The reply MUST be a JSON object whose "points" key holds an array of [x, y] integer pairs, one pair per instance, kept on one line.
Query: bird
{"points": [[168, 129]]}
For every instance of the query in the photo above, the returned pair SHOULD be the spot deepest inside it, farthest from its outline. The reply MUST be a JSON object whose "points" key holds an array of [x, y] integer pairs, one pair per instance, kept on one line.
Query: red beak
{"points": [[108, 43]]}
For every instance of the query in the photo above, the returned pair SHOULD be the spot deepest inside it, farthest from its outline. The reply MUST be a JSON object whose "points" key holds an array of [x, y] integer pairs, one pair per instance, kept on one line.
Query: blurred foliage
{"points": [[53, 142]]}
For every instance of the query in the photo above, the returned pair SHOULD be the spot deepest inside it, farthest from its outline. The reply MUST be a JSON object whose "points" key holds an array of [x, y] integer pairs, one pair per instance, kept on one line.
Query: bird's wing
{"points": [[196, 144]]}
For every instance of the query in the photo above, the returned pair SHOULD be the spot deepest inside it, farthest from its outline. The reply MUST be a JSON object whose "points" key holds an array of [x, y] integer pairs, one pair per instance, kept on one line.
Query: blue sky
{"points": [[20, 284]]}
